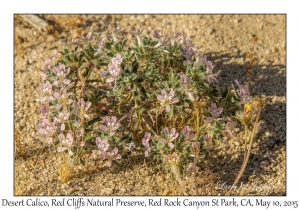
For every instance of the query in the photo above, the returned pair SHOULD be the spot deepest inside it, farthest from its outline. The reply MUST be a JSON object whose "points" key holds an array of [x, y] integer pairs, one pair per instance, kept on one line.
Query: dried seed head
{"points": [[259, 103]]}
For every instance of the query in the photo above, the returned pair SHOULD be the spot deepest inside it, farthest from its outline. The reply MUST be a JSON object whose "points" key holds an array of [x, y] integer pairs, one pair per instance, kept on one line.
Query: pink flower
{"points": [[190, 168], [215, 112], [114, 33], [114, 71], [79, 133], [174, 38], [81, 107], [188, 53], [170, 137], [111, 125], [195, 147], [63, 98], [87, 37], [243, 92], [63, 116], [167, 99], [184, 80], [138, 35], [100, 45], [75, 41], [162, 40], [43, 76], [61, 71], [47, 128], [145, 142], [44, 112], [156, 34], [66, 142], [230, 125], [117, 60], [46, 88], [47, 92], [102, 145], [202, 59], [188, 135], [110, 156], [210, 77], [187, 41]]}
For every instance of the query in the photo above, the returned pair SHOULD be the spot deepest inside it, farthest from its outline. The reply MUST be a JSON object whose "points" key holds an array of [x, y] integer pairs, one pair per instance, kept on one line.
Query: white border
{"points": [[8, 8]]}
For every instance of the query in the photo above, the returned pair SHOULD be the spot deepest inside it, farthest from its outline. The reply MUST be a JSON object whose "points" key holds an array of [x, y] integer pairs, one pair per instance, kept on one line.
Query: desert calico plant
{"points": [[108, 96]]}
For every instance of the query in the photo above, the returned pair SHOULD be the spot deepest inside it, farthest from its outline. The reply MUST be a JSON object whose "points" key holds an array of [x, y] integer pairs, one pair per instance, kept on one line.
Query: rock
{"points": [[107, 191], [122, 190], [268, 51], [265, 163], [236, 21], [236, 51], [64, 186]]}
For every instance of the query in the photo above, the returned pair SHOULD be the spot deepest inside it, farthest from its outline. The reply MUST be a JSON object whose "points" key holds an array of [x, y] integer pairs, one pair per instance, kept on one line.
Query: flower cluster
{"points": [[215, 112], [105, 152], [114, 68], [170, 136], [111, 125], [59, 108], [188, 134], [243, 92], [54, 92]]}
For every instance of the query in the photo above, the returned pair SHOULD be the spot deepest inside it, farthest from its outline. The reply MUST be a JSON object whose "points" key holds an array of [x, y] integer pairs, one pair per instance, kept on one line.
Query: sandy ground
{"points": [[227, 40]]}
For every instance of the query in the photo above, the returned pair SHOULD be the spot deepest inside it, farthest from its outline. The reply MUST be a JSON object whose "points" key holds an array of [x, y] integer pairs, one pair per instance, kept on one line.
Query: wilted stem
{"points": [[247, 152]]}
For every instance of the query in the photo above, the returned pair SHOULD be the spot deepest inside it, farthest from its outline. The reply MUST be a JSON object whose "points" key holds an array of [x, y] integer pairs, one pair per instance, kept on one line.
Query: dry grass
{"points": [[19, 147], [65, 169]]}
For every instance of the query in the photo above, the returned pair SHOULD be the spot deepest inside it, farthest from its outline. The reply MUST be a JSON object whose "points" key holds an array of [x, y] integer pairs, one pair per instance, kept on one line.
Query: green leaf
{"points": [[135, 66], [144, 92], [91, 122], [82, 162], [124, 42]]}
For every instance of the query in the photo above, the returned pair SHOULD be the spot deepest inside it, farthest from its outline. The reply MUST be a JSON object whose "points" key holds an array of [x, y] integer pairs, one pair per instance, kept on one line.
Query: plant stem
{"points": [[195, 171], [126, 115], [149, 127], [246, 138], [247, 152]]}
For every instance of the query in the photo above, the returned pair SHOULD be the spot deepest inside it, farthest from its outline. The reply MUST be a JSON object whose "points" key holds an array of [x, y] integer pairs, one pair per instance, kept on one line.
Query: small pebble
{"points": [[210, 30]]}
